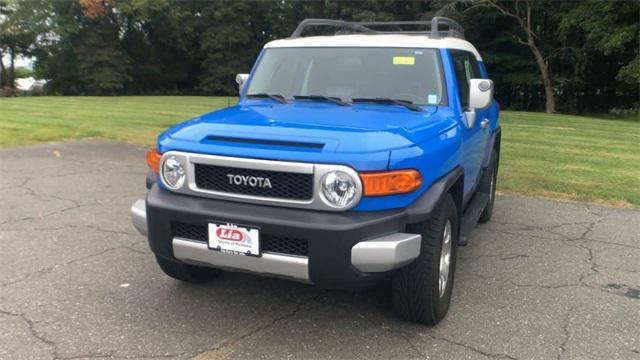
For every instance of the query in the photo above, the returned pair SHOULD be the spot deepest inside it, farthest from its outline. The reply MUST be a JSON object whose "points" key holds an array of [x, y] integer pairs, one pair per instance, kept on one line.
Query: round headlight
{"points": [[173, 172], [339, 189]]}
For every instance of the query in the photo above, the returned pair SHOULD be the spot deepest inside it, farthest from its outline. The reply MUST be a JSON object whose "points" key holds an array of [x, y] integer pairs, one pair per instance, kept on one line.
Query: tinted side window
{"points": [[465, 66]]}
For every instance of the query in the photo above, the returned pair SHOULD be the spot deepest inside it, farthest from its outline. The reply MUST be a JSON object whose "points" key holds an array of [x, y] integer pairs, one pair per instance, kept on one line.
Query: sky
{"points": [[20, 61]]}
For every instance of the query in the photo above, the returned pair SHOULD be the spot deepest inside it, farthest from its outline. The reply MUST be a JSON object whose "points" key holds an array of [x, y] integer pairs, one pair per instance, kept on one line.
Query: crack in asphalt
{"points": [[539, 286], [473, 348], [55, 349], [49, 269], [581, 240], [32, 330], [503, 257], [412, 345], [515, 232], [520, 256], [421, 354], [66, 227], [46, 215], [225, 347], [112, 355], [565, 330], [66, 209], [26, 276], [41, 196], [612, 243], [581, 280], [131, 170], [577, 242], [574, 242], [593, 266], [398, 333]]}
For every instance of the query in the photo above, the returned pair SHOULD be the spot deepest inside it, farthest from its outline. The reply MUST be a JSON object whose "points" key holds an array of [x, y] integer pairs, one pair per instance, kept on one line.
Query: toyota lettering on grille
{"points": [[253, 181]]}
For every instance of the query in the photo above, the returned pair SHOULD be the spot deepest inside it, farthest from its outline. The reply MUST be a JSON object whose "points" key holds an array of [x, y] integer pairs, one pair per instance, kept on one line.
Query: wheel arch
{"points": [[450, 183], [493, 144], [496, 144], [457, 192]]}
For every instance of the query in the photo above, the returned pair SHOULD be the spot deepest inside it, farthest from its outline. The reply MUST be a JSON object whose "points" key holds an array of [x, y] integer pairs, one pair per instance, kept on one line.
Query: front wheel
{"points": [[422, 290]]}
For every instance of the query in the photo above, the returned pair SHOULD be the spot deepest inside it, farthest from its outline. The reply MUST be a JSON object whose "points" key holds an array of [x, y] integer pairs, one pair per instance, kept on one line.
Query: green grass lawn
{"points": [[134, 119], [568, 157]]}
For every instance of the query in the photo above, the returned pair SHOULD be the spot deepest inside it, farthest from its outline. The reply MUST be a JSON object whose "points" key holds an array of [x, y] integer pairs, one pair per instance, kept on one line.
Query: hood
{"points": [[311, 126]]}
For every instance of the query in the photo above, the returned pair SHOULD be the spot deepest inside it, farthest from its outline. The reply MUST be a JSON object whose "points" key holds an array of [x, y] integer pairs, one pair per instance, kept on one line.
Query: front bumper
{"points": [[345, 250]]}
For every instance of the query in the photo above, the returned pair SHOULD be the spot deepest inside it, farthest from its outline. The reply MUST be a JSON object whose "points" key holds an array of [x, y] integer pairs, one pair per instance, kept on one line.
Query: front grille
{"points": [[284, 185], [269, 243]]}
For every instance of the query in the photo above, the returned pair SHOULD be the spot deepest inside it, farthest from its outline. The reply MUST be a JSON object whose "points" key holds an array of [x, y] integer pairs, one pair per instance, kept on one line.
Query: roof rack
{"points": [[432, 28]]}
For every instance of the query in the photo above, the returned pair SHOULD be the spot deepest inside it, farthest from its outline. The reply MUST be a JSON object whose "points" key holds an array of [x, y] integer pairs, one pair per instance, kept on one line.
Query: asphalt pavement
{"points": [[543, 280]]}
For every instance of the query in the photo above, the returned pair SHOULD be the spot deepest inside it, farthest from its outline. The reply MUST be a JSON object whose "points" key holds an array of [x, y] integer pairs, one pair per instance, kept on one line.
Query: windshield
{"points": [[351, 73]]}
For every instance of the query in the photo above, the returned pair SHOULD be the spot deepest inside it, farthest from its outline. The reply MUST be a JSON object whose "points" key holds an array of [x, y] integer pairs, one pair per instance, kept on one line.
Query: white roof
{"points": [[378, 40]]}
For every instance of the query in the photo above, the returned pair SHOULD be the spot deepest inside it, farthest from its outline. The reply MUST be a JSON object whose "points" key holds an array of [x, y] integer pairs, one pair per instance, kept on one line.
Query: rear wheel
{"points": [[185, 272], [422, 290], [488, 186]]}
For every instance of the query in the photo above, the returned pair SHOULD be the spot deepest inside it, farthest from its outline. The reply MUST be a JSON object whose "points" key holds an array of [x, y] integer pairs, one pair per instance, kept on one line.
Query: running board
{"points": [[471, 216]]}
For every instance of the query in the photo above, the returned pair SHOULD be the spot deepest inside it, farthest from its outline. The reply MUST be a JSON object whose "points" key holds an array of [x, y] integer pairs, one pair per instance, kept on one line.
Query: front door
{"points": [[475, 138]]}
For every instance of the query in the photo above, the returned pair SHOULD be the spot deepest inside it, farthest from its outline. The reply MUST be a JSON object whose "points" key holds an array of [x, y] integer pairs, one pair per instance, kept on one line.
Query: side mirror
{"points": [[241, 79], [480, 93], [480, 97]]}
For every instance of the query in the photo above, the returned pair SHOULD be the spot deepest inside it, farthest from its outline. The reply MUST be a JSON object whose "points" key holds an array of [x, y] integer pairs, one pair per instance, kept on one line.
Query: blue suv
{"points": [[361, 156]]}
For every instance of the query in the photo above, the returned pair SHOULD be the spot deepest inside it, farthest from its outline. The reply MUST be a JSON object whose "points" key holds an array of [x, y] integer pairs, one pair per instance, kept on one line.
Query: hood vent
{"points": [[267, 142]]}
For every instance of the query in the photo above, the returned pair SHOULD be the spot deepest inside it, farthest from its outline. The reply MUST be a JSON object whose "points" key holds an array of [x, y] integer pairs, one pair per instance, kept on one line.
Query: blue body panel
{"points": [[367, 137]]}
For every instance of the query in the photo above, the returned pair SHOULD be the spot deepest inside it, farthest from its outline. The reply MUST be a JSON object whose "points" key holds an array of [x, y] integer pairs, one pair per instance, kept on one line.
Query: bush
{"points": [[632, 113]]}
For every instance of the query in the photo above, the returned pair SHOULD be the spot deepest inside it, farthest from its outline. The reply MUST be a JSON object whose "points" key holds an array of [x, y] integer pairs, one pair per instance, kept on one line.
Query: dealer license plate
{"points": [[236, 239]]}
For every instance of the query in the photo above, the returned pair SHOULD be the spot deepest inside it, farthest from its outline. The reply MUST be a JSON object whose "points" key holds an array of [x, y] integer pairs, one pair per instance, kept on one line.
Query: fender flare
{"points": [[151, 179], [491, 144], [422, 208]]}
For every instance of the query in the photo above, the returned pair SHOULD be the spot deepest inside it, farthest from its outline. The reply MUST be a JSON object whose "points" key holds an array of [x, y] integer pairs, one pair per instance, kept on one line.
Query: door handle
{"points": [[484, 123]]}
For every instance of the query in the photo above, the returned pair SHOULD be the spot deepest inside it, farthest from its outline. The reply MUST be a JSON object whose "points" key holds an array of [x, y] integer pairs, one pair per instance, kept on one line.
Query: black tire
{"points": [[185, 272], [415, 288], [488, 186]]}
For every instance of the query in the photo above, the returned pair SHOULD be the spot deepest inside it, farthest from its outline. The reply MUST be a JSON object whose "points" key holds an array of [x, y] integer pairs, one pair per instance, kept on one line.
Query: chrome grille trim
{"points": [[280, 185], [318, 171]]}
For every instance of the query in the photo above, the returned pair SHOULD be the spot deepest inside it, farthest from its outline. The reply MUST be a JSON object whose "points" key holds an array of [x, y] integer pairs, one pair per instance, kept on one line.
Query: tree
{"points": [[58, 64], [232, 35], [23, 72], [18, 34], [55, 58], [102, 65], [82, 53], [517, 78], [162, 38], [524, 18], [610, 28], [578, 56]]}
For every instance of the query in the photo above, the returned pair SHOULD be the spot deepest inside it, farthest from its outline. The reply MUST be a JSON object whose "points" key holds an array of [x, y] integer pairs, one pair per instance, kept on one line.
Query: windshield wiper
{"points": [[275, 97], [406, 103], [333, 99]]}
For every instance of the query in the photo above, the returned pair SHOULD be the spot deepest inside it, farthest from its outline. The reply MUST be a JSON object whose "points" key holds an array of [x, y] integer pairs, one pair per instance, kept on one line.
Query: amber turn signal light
{"points": [[153, 160], [390, 182]]}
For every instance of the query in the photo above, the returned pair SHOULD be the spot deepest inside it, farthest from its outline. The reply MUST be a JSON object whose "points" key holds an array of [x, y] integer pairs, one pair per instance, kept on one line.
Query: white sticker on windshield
{"points": [[432, 99], [418, 52]]}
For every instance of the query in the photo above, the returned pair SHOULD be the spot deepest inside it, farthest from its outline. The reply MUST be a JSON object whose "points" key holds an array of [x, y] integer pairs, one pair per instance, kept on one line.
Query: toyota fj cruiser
{"points": [[366, 154]]}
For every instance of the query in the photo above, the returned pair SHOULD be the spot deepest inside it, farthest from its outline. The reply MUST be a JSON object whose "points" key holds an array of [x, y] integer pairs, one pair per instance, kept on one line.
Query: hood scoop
{"points": [[265, 143]]}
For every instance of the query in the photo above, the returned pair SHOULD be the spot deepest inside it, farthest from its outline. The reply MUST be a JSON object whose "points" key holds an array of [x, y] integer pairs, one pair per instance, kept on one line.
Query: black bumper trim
{"points": [[330, 235]]}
